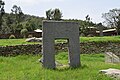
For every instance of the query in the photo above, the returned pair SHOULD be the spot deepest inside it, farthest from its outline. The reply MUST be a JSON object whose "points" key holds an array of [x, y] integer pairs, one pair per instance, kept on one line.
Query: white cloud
{"points": [[39, 1], [30, 2]]}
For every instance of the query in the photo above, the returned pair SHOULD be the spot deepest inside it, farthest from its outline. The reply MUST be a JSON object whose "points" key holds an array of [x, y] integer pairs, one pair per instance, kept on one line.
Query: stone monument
{"points": [[60, 30]]}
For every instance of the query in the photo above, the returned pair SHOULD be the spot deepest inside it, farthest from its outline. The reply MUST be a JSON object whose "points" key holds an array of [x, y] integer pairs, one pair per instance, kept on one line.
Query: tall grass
{"points": [[27, 67]]}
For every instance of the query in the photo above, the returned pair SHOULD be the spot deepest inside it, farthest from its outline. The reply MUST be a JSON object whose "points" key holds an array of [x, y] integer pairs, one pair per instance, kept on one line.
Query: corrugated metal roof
{"points": [[38, 30], [106, 30]]}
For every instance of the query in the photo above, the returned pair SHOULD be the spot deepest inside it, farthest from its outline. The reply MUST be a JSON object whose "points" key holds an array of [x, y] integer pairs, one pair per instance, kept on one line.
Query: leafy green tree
{"points": [[57, 15], [18, 13], [9, 20], [18, 18], [54, 14], [112, 19], [87, 18], [85, 26], [2, 12], [33, 23], [48, 14]]}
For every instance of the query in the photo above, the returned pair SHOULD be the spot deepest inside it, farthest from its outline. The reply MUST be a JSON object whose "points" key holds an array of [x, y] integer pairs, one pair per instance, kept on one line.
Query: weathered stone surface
{"points": [[20, 49], [111, 58], [101, 47], [114, 73], [85, 48], [56, 30]]}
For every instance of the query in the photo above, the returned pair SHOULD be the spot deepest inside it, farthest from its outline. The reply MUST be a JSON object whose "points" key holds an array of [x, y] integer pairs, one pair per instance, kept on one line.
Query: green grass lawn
{"points": [[9, 42], [100, 39], [95, 39], [27, 67]]}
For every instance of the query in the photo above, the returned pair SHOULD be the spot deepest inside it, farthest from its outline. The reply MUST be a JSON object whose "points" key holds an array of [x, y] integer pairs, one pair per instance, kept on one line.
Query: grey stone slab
{"points": [[57, 30], [111, 58], [114, 73]]}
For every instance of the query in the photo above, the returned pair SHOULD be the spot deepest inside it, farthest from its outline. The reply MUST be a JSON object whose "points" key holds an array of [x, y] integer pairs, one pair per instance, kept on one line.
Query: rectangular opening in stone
{"points": [[61, 51], [61, 45]]}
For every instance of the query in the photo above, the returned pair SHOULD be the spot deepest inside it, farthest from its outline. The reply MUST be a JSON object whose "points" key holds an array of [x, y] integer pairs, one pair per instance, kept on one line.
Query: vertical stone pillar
{"points": [[74, 52], [48, 53]]}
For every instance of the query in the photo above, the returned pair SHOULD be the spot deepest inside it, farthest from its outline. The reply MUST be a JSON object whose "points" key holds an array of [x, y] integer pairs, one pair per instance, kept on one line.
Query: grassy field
{"points": [[9, 42], [100, 39], [95, 39], [27, 67]]}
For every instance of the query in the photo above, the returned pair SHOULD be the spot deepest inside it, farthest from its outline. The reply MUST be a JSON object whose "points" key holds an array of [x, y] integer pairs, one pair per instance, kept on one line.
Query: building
{"points": [[108, 32]]}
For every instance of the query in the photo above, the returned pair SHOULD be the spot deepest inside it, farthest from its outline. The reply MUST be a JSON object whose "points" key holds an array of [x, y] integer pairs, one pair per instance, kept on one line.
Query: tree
{"points": [[54, 14], [48, 14], [9, 20], [87, 18], [18, 13], [18, 17], [33, 23], [57, 15], [2, 11], [89, 23], [85, 26], [112, 19]]}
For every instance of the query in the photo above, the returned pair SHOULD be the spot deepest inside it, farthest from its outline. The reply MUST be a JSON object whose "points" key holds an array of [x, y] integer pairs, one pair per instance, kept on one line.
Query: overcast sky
{"points": [[71, 9]]}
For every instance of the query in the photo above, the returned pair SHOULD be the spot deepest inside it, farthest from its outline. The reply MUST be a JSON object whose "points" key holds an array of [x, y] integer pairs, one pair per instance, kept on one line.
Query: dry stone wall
{"points": [[101, 47], [20, 49], [85, 48]]}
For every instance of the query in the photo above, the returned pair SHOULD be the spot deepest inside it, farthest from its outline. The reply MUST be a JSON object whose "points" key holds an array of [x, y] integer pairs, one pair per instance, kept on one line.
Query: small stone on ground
{"points": [[114, 73]]}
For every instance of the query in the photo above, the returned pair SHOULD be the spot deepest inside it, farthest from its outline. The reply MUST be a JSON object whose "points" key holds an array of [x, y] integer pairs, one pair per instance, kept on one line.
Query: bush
{"points": [[90, 35], [12, 36], [82, 35], [24, 32], [30, 36]]}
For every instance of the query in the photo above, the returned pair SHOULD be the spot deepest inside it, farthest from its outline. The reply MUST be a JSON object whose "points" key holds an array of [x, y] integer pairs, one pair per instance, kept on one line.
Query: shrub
{"points": [[90, 35], [24, 32], [82, 35], [30, 36], [12, 36]]}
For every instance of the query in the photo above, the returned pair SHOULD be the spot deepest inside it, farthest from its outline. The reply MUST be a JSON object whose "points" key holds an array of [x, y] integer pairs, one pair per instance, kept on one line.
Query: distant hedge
{"points": [[85, 48]]}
